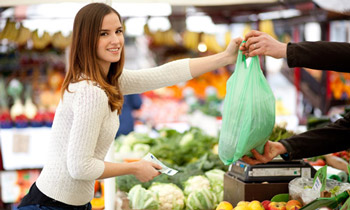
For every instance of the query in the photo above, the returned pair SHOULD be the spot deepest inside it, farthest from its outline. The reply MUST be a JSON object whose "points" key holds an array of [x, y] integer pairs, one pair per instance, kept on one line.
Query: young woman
{"points": [[86, 118]]}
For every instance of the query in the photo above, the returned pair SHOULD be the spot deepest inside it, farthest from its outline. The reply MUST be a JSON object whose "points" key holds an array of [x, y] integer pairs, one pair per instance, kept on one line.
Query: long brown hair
{"points": [[83, 54]]}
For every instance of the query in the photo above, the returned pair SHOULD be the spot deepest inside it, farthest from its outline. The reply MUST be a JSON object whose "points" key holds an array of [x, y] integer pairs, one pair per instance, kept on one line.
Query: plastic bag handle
{"points": [[243, 56], [255, 59]]}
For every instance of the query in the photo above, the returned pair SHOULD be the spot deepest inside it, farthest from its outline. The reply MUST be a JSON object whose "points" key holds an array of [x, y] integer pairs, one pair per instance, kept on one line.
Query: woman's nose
{"points": [[115, 38]]}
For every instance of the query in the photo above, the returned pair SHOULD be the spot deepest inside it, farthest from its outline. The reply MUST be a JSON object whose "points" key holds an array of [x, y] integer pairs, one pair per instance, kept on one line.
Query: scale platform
{"points": [[274, 171]]}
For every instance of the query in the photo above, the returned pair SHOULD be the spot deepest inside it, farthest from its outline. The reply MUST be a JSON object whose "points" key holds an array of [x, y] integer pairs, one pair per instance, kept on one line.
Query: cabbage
{"points": [[142, 148], [169, 196], [140, 198], [195, 183], [216, 179], [201, 200]]}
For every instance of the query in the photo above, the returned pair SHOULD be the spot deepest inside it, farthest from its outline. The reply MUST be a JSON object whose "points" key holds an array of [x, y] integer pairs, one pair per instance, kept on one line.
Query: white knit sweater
{"points": [[84, 128]]}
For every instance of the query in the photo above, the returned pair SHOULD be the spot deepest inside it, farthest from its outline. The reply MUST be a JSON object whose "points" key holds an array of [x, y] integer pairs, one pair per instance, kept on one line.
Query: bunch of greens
{"points": [[280, 132], [182, 148]]}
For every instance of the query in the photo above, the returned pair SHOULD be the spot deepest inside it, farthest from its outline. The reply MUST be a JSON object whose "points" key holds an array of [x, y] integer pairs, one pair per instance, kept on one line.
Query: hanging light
{"points": [[202, 47]]}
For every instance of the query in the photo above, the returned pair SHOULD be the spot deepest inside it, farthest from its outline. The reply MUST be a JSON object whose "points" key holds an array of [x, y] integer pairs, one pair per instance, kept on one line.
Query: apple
{"points": [[242, 207], [224, 205], [243, 203], [293, 205], [277, 206], [255, 205], [265, 204]]}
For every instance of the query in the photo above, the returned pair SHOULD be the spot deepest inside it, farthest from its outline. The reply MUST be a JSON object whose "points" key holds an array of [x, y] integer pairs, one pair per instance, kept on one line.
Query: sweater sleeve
{"points": [[329, 139], [90, 105], [321, 55], [139, 81]]}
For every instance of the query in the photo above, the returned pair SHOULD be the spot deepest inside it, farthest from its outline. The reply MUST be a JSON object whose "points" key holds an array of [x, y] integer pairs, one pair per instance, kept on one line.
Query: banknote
{"points": [[165, 169]]}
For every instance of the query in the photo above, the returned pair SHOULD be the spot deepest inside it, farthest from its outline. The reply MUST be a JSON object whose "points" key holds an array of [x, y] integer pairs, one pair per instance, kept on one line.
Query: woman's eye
{"points": [[103, 34], [119, 31]]}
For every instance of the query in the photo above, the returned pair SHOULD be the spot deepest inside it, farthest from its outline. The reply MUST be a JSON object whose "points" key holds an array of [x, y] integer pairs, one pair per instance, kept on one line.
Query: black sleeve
{"points": [[332, 138], [334, 56]]}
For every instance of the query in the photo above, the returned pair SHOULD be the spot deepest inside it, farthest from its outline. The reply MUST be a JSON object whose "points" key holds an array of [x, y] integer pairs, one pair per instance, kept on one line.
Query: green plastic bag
{"points": [[249, 112]]}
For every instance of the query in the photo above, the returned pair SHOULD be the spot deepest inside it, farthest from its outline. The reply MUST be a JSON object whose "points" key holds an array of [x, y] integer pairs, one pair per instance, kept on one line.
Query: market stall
{"points": [[181, 124]]}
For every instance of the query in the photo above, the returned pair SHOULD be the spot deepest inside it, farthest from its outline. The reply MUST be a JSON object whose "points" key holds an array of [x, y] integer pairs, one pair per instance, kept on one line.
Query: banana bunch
{"points": [[10, 31], [247, 28], [23, 36], [281, 109], [228, 38], [211, 42], [61, 42], [169, 37], [267, 27], [40, 43], [146, 30], [191, 40], [157, 38]]}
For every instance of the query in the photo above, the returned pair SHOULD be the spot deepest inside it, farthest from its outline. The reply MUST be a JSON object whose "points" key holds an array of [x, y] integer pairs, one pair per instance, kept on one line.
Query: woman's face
{"points": [[111, 40]]}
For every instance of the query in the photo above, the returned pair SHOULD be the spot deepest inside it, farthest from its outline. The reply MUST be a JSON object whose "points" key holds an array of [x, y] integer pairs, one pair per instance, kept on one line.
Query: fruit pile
{"points": [[343, 154], [264, 205]]}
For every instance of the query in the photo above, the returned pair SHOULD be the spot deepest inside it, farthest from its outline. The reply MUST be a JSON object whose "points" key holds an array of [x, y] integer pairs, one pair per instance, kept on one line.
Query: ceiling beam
{"points": [[7, 3]]}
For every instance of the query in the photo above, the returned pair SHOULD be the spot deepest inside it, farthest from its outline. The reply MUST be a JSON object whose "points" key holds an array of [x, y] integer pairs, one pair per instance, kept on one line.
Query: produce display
{"points": [[200, 177], [31, 95], [172, 104], [339, 85], [21, 35], [264, 205], [198, 194], [199, 183], [191, 153]]}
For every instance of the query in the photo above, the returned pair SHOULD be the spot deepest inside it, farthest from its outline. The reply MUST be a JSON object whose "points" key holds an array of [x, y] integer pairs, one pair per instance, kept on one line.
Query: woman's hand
{"points": [[146, 170], [202, 65], [232, 50], [271, 150], [260, 43]]}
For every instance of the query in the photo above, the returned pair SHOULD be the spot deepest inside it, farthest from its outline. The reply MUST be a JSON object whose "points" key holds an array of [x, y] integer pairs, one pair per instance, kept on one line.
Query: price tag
{"points": [[320, 179], [317, 185], [20, 143]]}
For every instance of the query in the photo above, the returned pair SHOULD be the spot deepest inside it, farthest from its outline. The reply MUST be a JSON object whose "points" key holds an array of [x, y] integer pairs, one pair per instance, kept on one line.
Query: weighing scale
{"points": [[277, 170]]}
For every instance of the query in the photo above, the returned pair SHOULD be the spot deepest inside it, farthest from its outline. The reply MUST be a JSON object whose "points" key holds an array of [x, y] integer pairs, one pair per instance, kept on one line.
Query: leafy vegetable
{"points": [[280, 132], [216, 179], [196, 183], [200, 200], [183, 148], [141, 198]]}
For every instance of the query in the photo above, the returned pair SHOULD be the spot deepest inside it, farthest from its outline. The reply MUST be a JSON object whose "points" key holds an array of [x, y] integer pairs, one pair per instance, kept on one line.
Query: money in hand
{"points": [[165, 169]]}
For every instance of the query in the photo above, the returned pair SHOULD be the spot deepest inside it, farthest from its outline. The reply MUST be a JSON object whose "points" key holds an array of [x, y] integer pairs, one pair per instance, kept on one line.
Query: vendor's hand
{"points": [[271, 150], [260, 43], [146, 170], [232, 50]]}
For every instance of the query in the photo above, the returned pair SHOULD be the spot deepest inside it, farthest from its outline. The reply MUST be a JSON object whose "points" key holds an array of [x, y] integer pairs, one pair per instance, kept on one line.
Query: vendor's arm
{"points": [[321, 141], [320, 55], [138, 81]]}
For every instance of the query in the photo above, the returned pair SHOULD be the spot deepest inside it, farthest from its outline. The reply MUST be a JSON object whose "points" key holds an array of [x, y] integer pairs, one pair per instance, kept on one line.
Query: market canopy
{"points": [[4, 3]]}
